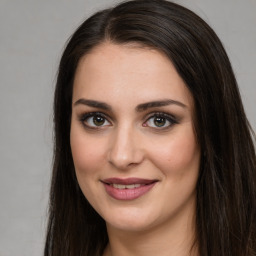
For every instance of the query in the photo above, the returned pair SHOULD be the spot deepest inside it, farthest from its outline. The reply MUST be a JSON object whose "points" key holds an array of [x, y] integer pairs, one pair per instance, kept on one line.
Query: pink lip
{"points": [[128, 193]]}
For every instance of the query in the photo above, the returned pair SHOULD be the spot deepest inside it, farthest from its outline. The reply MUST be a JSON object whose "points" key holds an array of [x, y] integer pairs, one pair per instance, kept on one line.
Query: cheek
{"points": [[178, 155], [87, 157], [87, 154]]}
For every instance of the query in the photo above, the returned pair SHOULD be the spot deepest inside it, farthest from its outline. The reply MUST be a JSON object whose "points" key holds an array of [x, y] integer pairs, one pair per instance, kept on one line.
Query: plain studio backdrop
{"points": [[33, 34]]}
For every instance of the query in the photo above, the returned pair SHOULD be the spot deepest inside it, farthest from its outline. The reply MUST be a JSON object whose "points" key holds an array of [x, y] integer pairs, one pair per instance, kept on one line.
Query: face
{"points": [[133, 144]]}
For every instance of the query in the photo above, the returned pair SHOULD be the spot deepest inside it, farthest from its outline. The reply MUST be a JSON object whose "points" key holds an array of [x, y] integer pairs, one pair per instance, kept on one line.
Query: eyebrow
{"points": [[139, 108], [93, 103], [160, 103]]}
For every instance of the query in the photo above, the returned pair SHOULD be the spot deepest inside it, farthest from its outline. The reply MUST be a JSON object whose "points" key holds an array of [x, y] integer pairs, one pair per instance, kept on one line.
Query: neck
{"points": [[174, 238]]}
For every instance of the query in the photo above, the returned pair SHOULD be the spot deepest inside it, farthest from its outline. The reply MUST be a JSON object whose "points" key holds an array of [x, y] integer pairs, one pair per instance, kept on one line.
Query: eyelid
{"points": [[161, 114], [169, 117], [82, 118]]}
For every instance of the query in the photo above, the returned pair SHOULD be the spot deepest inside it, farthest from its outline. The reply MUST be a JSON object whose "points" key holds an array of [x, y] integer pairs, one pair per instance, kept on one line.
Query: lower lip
{"points": [[128, 194]]}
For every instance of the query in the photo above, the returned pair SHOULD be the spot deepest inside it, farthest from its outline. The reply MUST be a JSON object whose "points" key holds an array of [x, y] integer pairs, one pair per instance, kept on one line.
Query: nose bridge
{"points": [[124, 148]]}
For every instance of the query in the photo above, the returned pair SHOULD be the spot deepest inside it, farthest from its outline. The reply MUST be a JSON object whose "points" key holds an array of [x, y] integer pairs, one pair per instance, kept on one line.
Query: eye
{"points": [[94, 120], [160, 120]]}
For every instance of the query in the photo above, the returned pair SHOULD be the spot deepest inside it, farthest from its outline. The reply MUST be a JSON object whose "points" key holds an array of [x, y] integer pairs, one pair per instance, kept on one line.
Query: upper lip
{"points": [[128, 181]]}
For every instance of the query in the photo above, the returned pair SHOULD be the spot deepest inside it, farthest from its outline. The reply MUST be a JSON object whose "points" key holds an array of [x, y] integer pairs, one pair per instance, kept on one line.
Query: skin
{"points": [[131, 143]]}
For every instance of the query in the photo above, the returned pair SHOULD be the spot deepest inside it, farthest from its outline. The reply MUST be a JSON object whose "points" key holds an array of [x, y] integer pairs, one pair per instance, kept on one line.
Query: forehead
{"points": [[128, 71]]}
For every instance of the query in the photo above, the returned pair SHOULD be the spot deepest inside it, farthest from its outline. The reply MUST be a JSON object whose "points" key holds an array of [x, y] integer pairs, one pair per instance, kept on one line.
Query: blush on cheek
{"points": [[77, 155], [85, 161], [180, 154], [187, 156], [81, 152]]}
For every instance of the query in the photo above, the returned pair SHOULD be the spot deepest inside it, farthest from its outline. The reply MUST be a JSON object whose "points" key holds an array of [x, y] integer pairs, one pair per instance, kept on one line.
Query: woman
{"points": [[153, 151]]}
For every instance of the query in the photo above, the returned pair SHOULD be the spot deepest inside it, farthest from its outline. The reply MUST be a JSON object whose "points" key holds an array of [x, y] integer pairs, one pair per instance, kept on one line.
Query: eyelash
{"points": [[166, 118], [84, 119]]}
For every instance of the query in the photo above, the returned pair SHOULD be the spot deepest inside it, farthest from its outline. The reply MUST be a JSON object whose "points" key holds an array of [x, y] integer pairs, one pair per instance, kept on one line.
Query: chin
{"points": [[130, 221]]}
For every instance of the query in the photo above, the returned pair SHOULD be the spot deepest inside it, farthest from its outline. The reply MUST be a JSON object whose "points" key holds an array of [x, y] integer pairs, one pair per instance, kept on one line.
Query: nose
{"points": [[125, 149]]}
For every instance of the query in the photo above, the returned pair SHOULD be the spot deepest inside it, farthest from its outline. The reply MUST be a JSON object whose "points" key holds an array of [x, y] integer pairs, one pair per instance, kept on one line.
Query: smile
{"points": [[120, 186], [127, 189]]}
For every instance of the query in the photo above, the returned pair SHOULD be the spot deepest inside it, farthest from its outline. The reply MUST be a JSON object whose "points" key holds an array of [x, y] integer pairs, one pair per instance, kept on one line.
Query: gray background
{"points": [[32, 36]]}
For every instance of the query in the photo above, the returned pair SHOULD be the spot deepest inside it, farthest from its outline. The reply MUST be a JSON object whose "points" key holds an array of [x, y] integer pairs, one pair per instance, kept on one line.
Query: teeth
{"points": [[119, 186], [131, 186]]}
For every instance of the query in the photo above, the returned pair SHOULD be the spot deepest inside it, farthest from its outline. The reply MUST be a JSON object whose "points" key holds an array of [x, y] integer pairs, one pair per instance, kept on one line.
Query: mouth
{"points": [[127, 189]]}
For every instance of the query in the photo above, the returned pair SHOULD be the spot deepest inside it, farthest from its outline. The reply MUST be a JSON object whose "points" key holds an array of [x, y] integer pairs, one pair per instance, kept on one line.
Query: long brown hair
{"points": [[226, 189]]}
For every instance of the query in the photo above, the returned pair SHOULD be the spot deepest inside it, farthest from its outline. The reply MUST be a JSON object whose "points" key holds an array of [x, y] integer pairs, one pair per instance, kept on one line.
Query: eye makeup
{"points": [[154, 120], [160, 120], [94, 120]]}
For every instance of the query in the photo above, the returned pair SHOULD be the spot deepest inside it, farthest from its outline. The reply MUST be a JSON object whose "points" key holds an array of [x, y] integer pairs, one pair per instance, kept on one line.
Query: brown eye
{"points": [[98, 120], [94, 120], [159, 121]]}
